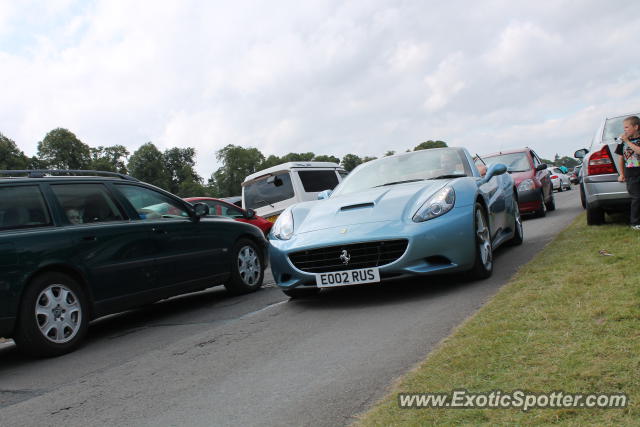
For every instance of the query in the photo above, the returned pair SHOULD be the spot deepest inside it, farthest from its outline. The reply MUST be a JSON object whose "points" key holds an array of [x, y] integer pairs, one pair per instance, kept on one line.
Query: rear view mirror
{"points": [[274, 180], [541, 167], [250, 214], [580, 153]]}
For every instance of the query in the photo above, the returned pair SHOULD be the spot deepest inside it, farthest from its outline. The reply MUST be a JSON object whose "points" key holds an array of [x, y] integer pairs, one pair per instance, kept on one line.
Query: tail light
{"points": [[601, 162], [554, 176]]}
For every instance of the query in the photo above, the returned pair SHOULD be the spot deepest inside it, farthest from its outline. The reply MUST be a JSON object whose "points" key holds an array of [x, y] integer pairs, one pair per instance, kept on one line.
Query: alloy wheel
{"points": [[249, 265], [58, 313], [484, 240]]}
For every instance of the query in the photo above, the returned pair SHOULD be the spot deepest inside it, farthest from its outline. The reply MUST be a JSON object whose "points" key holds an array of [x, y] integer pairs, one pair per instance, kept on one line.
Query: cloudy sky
{"points": [[332, 77]]}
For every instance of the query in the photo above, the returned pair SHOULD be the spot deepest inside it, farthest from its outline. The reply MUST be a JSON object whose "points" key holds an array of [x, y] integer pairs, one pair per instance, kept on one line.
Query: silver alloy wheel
{"points": [[518, 221], [249, 265], [484, 240], [58, 313]]}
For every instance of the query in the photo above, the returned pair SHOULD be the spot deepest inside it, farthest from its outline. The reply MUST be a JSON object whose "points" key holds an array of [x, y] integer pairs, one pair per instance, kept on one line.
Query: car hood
{"points": [[389, 203], [518, 177]]}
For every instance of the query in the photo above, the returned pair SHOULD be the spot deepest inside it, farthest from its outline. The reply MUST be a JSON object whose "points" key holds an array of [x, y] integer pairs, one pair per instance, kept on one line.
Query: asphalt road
{"points": [[211, 359]]}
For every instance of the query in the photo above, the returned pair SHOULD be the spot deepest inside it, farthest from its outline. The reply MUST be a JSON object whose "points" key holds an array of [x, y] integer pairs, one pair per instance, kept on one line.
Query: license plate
{"points": [[348, 277]]}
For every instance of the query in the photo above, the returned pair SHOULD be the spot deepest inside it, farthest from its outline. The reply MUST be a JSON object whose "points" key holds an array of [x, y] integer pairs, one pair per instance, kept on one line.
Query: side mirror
{"points": [[541, 167], [324, 194], [200, 210], [249, 214], [580, 153], [497, 169], [274, 180]]}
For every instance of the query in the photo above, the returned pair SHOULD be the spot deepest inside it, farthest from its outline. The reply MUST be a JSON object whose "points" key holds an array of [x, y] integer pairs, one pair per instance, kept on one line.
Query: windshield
{"points": [[516, 162], [416, 166], [262, 193]]}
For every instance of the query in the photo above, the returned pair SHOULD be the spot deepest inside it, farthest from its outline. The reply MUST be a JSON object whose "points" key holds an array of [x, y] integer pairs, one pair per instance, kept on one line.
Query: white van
{"points": [[270, 191]]}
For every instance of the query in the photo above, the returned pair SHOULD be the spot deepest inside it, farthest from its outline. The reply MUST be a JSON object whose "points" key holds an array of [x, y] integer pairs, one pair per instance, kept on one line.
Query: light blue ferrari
{"points": [[413, 214]]}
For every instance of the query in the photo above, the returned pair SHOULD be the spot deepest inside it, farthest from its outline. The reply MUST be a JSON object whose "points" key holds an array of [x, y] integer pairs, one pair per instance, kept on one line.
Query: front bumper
{"points": [[529, 201], [439, 245]]}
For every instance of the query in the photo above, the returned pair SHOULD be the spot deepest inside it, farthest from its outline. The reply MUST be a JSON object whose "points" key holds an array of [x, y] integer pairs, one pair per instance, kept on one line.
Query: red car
{"points": [[531, 177], [222, 208]]}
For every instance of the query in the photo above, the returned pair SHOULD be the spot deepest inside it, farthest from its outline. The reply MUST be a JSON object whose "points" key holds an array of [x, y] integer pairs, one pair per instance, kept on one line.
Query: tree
{"points": [[325, 158], [368, 159], [237, 163], [10, 156], [272, 160], [61, 149], [180, 164], [297, 157], [547, 161], [350, 161], [389, 153], [110, 159], [148, 165], [430, 144], [566, 161]]}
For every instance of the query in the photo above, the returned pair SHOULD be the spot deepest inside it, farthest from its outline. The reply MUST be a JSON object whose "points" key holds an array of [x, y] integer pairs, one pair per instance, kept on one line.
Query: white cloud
{"points": [[323, 76]]}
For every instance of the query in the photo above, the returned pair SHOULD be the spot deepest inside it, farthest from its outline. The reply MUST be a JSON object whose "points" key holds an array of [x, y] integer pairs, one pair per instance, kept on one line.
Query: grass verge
{"points": [[569, 320]]}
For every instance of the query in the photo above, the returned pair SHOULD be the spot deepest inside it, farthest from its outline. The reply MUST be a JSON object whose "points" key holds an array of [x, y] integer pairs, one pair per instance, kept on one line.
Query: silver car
{"points": [[600, 190], [560, 180]]}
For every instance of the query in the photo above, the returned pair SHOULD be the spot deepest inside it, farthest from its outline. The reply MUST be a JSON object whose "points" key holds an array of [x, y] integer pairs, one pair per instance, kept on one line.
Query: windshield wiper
{"points": [[265, 203], [451, 175], [399, 182]]}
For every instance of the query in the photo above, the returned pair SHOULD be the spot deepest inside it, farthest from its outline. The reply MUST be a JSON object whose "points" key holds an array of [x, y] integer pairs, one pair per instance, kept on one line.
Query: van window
{"points": [[262, 193], [22, 207], [316, 181]]}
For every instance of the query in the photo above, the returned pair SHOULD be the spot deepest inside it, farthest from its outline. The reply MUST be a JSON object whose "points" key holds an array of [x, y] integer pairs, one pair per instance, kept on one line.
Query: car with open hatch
{"points": [[78, 245], [408, 215], [600, 190]]}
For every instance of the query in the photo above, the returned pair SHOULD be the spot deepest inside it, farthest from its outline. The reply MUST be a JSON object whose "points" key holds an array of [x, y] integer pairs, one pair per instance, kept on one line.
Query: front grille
{"points": [[362, 255]]}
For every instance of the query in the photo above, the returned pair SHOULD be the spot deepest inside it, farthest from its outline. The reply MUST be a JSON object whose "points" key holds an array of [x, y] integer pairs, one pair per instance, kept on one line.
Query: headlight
{"points": [[436, 205], [526, 185], [283, 228]]}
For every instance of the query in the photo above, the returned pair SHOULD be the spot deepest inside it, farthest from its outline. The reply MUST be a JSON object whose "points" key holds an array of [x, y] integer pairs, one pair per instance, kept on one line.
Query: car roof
{"points": [[622, 115], [512, 151], [62, 174], [289, 166]]}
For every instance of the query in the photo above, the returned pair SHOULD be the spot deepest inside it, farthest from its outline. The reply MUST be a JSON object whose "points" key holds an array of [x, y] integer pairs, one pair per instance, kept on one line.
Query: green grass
{"points": [[569, 320]]}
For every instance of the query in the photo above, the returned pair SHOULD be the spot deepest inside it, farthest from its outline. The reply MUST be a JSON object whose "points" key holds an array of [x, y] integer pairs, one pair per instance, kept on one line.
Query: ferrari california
{"points": [[413, 214]]}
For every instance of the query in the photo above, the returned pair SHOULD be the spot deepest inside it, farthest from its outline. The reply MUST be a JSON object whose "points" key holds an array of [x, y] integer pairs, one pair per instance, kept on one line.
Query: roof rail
{"points": [[41, 173]]}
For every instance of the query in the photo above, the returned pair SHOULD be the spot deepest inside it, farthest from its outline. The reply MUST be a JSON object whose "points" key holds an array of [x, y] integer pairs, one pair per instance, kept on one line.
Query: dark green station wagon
{"points": [[77, 245]]}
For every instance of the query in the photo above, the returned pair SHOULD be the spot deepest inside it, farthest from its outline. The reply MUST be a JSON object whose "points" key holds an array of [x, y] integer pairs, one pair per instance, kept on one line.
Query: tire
{"points": [[518, 235], [483, 264], [53, 317], [542, 212], [583, 199], [551, 204], [569, 187], [247, 270], [595, 216], [297, 293]]}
